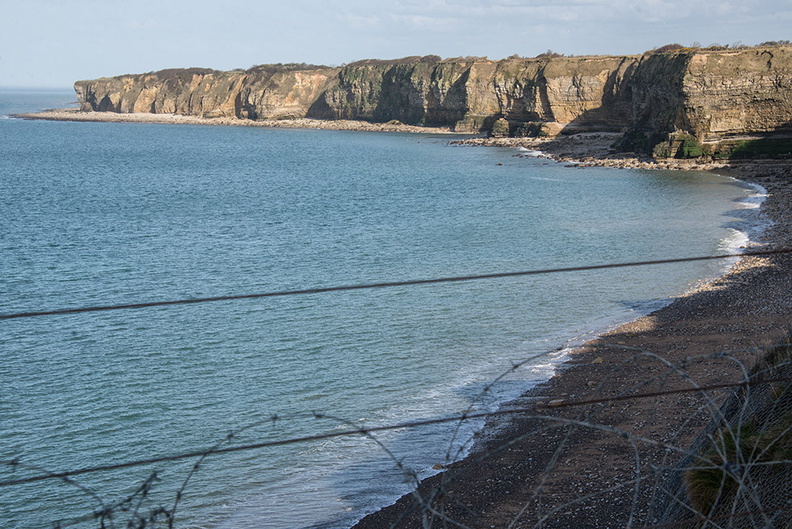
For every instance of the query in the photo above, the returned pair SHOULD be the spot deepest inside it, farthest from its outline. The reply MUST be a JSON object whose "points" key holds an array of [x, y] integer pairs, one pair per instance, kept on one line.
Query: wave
{"points": [[524, 151]]}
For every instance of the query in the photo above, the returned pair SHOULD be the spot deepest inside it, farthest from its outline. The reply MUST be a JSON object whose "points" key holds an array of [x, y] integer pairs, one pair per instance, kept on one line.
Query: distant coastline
{"points": [[579, 150], [674, 103], [70, 114]]}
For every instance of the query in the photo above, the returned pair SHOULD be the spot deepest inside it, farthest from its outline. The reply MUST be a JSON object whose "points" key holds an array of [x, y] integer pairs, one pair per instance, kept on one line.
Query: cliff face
{"points": [[193, 91], [708, 94], [469, 94], [585, 93], [730, 93], [265, 92], [416, 90], [274, 93], [713, 95]]}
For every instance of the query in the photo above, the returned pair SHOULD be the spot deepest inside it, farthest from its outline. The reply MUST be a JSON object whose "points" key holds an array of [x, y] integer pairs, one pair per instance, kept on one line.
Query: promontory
{"points": [[678, 102]]}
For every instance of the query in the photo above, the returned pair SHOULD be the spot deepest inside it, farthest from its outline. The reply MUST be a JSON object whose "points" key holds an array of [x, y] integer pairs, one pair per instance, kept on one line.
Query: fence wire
{"points": [[734, 474], [603, 457]]}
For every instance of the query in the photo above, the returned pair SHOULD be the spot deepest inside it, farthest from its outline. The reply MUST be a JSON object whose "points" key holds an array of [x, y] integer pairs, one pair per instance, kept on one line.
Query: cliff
{"points": [[689, 103], [262, 92], [663, 99], [466, 94]]}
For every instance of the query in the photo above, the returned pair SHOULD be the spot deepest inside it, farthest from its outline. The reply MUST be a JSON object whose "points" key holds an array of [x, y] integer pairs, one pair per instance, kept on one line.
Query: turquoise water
{"points": [[100, 214]]}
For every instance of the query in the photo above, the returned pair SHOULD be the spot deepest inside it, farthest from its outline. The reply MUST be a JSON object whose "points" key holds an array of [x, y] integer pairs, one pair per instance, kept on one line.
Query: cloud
{"points": [[157, 34], [423, 12], [356, 20]]}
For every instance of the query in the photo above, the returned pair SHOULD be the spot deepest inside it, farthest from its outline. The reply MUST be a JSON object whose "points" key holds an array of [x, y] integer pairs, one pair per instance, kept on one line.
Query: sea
{"points": [[275, 412]]}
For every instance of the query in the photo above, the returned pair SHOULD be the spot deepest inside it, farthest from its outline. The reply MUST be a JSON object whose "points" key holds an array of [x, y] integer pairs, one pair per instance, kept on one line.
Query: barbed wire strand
{"points": [[66, 476], [390, 284], [373, 429], [426, 505]]}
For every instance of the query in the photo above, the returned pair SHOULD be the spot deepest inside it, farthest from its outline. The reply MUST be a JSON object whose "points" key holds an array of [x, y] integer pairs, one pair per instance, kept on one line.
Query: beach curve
{"points": [[543, 471], [558, 464]]}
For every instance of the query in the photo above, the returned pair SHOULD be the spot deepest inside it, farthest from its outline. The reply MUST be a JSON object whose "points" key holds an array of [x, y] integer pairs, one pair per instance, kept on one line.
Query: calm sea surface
{"points": [[101, 214]]}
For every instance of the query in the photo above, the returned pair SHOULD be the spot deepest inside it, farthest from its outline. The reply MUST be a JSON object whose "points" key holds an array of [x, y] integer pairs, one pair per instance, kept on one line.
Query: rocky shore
{"points": [[591, 149], [71, 114]]}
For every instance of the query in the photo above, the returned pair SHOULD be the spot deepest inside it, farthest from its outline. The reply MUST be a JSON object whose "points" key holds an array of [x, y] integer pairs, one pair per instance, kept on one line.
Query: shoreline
{"points": [[69, 114], [556, 464], [532, 470]]}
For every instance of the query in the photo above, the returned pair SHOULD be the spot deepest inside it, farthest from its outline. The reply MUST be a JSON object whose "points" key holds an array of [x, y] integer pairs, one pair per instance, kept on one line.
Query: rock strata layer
{"points": [[710, 95]]}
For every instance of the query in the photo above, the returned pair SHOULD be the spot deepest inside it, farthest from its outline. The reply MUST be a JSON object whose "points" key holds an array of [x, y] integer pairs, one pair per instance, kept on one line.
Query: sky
{"points": [[52, 43]]}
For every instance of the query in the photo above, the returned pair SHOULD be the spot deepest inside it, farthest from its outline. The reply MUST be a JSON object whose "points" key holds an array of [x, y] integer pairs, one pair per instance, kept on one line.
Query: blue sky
{"points": [[52, 43]]}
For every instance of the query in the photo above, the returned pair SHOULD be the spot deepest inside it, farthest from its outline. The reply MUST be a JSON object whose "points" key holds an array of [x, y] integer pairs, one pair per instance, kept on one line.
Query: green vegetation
{"points": [[549, 54], [181, 75], [288, 67], [641, 142], [467, 58], [753, 455], [689, 147], [531, 129], [732, 455], [431, 59], [679, 48], [667, 48], [678, 145], [681, 145], [709, 484], [758, 148], [500, 128]]}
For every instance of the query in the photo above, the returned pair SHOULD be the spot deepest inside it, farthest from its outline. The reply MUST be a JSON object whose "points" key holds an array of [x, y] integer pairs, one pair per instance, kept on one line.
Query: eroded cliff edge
{"points": [[682, 102]]}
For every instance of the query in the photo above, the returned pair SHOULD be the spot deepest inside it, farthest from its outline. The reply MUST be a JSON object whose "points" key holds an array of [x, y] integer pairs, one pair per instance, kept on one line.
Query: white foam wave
{"points": [[755, 200], [734, 241], [530, 152], [749, 225]]}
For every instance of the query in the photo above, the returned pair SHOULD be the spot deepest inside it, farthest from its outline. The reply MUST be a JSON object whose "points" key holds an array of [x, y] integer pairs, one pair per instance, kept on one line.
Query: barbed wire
{"points": [[368, 430], [427, 504], [390, 284], [131, 505]]}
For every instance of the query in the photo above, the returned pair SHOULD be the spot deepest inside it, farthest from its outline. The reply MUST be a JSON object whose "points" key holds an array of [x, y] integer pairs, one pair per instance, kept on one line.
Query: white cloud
{"points": [[357, 21]]}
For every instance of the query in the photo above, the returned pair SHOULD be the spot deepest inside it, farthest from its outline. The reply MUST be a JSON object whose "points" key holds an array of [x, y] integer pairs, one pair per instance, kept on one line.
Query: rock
{"points": [[710, 95], [500, 129]]}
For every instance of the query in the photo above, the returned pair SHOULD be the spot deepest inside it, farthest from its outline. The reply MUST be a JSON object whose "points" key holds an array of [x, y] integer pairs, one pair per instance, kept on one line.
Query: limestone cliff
{"points": [[262, 92], [690, 103], [731, 93], [707, 94], [582, 93]]}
